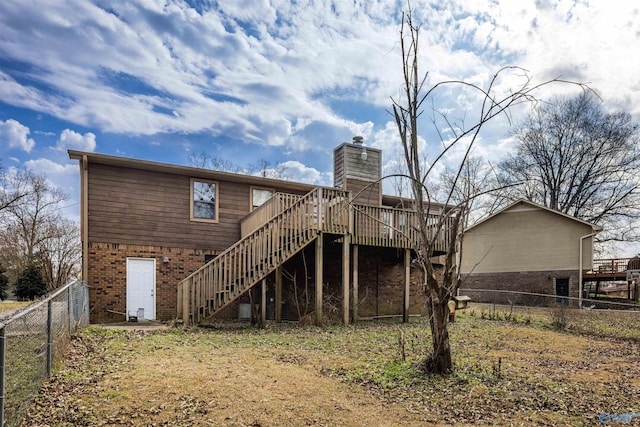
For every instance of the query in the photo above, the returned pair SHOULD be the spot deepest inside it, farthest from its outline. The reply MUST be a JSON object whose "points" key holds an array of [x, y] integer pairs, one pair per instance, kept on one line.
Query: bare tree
{"points": [[267, 169], [573, 157], [13, 188], [34, 233], [262, 167], [60, 254], [474, 186], [29, 220], [205, 160], [407, 110]]}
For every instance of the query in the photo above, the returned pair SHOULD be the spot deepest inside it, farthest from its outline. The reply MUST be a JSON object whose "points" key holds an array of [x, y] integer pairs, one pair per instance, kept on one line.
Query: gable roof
{"points": [[595, 228]]}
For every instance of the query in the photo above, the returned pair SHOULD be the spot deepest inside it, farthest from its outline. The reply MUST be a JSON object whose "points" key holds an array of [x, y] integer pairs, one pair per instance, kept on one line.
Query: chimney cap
{"points": [[358, 140]]}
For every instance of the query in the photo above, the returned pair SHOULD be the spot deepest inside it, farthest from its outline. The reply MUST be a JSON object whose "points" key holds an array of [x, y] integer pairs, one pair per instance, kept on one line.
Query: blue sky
{"points": [[277, 80]]}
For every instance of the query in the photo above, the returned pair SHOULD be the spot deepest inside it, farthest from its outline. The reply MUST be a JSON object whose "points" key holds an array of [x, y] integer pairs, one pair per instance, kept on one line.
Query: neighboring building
{"points": [[163, 241], [526, 247]]}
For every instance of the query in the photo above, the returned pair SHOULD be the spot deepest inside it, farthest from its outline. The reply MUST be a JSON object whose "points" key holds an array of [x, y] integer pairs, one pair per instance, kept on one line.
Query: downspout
{"points": [[580, 270]]}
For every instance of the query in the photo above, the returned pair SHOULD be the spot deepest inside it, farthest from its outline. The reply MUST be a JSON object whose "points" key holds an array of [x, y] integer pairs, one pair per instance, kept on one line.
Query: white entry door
{"points": [[141, 288]]}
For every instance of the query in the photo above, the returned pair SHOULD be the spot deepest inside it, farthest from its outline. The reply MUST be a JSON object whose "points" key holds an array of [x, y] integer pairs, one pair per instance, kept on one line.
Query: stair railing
{"points": [[248, 261]]}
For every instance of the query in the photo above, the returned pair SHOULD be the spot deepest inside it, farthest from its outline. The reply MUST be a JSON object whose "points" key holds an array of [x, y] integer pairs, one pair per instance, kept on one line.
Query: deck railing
{"points": [[272, 207], [252, 258], [396, 228], [616, 265], [285, 224]]}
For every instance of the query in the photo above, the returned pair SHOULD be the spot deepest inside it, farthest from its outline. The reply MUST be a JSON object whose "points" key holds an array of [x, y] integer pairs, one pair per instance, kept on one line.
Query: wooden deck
{"points": [[284, 225], [607, 270], [368, 225]]}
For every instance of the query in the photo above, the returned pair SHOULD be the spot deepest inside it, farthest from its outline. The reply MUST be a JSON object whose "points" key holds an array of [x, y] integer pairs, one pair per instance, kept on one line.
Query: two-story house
{"points": [[162, 241]]}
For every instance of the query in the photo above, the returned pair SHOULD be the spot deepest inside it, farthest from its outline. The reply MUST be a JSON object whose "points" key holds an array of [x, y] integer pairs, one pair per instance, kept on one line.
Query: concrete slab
{"points": [[134, 326]]}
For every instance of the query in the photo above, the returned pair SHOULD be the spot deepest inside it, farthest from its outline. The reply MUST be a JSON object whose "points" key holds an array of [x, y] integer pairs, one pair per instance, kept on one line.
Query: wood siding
{"points": [[348, 164], [526, 238], [338, 168], [142, 207], [364, 193]]}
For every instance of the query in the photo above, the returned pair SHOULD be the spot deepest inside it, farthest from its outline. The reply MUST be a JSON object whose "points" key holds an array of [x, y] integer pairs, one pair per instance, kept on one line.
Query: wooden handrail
{"points": [[284, 225], [252, 258], [610, 265], [263, 213], [396, 228]]}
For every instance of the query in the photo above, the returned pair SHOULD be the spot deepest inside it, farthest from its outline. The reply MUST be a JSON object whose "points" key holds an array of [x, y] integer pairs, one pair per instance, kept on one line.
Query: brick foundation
{"points": [[381, 281], [538, 282], [107, 278]]}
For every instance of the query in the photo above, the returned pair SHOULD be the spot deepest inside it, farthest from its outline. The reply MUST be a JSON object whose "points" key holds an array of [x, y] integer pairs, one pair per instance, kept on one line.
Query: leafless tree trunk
{"points": [[407, 111]]}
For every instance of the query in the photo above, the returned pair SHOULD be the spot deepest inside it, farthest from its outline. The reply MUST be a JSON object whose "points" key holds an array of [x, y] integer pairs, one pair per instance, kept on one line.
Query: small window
{"points": [[204, 200], [259, 196]]}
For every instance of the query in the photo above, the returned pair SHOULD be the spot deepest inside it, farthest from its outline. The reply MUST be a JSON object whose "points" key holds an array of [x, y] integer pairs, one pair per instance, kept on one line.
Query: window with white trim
{"points": [[204, 200]]}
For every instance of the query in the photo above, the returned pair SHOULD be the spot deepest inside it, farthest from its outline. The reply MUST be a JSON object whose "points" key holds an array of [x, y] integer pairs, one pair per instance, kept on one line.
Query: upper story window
{"points": [[204, 200], [259, 196]]}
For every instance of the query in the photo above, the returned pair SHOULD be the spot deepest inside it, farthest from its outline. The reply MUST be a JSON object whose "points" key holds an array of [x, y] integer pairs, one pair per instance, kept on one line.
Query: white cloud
{"points": [[263, 72], [16, 135], [65, 177], [75, 141], [50, 168], [298, 172]]}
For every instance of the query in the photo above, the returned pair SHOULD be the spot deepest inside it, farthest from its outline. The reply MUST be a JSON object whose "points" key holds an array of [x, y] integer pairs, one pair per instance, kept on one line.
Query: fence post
{"points": [[69, 310], [3, 350], [49, 338]]}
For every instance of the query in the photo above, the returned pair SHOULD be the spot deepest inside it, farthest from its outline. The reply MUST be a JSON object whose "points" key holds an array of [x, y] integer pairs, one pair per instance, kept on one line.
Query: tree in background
{"points": [[4, 283], [407, 110], [262, 167], [60, 253], [573, 157], [14, 188], [34, 231], [472, 185], [30, 284]]}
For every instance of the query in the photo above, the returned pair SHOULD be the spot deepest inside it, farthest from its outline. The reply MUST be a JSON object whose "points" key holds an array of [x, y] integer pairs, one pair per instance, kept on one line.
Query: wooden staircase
{"points": [[243, 265]]}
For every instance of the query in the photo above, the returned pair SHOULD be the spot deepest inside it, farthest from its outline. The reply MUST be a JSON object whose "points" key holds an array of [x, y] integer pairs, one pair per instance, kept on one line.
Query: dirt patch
{"points": [[251, 389]]}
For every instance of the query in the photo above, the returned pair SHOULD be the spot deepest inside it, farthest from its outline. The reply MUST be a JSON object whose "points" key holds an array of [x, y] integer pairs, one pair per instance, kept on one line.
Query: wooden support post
{"points": [[279, 294], [253, 296], [346, 245], [355, 283], [407, 284], [186, 308], [319, 278], [263, 303]]}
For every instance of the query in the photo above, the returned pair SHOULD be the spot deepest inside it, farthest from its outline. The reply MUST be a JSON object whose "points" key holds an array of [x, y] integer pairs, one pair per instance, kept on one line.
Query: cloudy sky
{"points": [[285, 81]]}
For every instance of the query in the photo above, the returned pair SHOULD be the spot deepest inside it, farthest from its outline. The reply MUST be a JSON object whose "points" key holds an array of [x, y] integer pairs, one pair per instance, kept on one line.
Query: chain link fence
{"points": [[31, 340], [605, 317]]}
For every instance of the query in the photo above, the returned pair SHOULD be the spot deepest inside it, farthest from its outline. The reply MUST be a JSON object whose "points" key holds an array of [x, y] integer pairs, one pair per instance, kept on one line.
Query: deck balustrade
{"points": [[281, 227]]}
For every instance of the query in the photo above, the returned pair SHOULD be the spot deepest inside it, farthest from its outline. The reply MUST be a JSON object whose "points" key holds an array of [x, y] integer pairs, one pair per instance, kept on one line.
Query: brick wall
{"points": [[381, 280], [107, 277], [539, 282]]}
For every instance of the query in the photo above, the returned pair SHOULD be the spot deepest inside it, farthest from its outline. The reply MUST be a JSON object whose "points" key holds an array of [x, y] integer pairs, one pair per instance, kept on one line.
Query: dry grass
{"points": [[286, 375], [12, 305]]}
